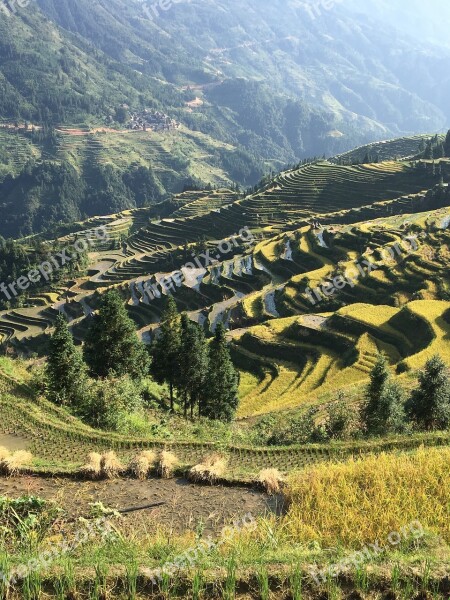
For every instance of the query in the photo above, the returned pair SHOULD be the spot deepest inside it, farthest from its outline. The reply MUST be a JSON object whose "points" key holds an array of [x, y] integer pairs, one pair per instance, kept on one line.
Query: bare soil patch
{"points": [[186, 505]]}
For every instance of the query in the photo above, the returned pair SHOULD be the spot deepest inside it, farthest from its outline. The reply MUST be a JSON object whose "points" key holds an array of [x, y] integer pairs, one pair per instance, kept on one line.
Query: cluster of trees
{"points": [[436, 148], [46, 194], [201, 373], [386, 409], [104, 381], [17, 260]]}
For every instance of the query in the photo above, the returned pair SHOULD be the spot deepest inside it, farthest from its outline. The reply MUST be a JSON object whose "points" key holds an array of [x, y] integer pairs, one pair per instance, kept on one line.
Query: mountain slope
{"points": [[339, 79]]}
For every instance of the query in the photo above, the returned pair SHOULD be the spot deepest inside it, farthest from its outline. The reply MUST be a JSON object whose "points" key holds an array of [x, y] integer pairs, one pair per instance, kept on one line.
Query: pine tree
{"points": [[447, 144], [193, 364], [221, 387], [383, 411], [112, 345], [65, 368], [429, 405], [166, 350]]}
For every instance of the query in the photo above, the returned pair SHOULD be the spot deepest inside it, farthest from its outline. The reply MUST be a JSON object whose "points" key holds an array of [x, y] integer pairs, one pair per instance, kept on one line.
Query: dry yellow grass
{"points": [[271, 480], [142, 464], [4, 453], [12, 464], [111, 467], [210, 470], [167, 464], [364, 500], [92, 469]]}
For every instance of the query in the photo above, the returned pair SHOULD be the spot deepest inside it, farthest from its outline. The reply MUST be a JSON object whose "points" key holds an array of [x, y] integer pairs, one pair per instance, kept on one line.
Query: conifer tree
{"points": [[220, 398], [166, 349], [429, 405], [65, 369], [193, 364], [112, 345], [447, 144], [383, 411]]}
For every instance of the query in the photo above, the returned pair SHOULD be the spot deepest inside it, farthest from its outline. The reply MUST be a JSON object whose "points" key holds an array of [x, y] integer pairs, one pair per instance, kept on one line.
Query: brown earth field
{"points": [[186, 506]]}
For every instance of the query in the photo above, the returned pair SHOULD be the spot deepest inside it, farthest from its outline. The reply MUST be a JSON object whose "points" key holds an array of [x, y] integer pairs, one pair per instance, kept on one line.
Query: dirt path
{"points": [[187, 506]]}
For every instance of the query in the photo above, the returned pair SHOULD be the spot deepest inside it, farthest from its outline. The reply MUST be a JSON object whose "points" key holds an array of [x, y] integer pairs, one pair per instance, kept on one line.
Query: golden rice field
{"points": [[364, 500]]}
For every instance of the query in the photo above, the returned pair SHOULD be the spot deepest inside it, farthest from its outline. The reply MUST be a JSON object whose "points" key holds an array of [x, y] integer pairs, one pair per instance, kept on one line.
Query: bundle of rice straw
{"points": [[167, 464], [4, 453], [111, 467], [92, 469], [12, 464], [142, 464], [271, 480], [211, 470]]}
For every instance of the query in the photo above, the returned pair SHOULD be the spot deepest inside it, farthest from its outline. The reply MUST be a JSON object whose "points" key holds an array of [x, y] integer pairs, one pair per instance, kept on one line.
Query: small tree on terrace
{"points": [[112, 345], [220, 398], [166, 349], [447, 144], [65, 368], [193, 364], [383, 410], [429, 405]]}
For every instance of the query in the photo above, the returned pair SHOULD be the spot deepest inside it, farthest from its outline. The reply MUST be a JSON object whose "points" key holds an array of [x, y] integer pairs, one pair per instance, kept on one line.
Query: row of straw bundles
{"points": [[108, 466]]}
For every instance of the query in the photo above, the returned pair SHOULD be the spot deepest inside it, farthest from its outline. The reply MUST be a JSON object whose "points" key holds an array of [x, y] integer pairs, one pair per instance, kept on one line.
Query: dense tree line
{"points": [[103, 381], [46, 194], [437, 148], [202, 374], [18, 259]]}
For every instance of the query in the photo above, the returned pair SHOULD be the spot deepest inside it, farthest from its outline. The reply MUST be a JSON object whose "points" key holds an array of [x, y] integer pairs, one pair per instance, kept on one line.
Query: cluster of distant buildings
{"points": [[153, 120]]}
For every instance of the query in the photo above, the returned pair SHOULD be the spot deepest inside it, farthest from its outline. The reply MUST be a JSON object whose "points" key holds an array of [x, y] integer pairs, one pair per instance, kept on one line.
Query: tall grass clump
{"points": [[369, 498]]}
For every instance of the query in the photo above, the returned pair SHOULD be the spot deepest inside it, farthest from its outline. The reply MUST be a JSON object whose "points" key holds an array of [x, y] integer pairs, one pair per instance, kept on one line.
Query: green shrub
{"points": [[104, 403]]}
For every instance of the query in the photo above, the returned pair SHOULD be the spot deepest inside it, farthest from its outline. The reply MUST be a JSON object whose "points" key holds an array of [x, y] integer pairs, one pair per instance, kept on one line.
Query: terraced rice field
{"points": [[60, 442], [303, 350], [300, 360], [400, 148]]}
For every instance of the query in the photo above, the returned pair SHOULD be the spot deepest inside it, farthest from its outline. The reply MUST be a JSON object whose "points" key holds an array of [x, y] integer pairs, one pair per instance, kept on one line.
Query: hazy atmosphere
{"points": [[224, 300]]}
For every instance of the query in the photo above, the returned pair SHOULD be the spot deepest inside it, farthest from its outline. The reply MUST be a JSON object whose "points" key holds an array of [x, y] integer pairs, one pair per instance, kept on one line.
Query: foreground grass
{"points": [[333, 510]]}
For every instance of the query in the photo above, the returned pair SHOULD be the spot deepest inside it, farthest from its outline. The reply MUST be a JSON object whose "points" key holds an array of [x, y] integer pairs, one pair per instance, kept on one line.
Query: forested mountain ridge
{"points": [[246, 90], [306, 78]]}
